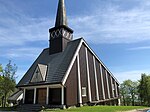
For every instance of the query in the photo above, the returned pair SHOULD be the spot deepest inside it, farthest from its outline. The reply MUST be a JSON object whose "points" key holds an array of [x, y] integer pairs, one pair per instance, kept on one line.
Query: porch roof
{"points": [[15, 96]]}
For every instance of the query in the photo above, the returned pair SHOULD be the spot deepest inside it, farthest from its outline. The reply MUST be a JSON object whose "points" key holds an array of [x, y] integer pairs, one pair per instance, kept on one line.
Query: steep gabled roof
{"points": [[57, 65]]}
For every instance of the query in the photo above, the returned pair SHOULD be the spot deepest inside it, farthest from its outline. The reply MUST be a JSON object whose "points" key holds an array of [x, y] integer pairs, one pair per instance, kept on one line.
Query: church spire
{"points": [[61, 34], [61, 18]]}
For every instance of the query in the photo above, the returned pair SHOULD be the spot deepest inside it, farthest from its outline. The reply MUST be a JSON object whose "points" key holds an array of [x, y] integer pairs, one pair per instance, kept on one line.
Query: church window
{"points": [[83, 91]]}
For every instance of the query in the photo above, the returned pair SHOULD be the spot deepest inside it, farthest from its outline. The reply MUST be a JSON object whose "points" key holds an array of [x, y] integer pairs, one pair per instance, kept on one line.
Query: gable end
{"points": [[75, 56], [39, 74]]}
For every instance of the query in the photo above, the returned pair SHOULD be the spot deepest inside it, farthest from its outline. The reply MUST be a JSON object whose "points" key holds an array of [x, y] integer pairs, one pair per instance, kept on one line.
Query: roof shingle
{"points": [[57, 65]]}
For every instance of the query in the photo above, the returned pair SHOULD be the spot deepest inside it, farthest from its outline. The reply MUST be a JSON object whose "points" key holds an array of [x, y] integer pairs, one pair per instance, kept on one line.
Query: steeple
{"points": [[61, 18], [61, 34]]}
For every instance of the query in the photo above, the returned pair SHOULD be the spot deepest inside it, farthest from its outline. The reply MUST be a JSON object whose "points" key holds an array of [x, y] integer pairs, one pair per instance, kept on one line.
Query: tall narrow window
{"points": [[113, 87], [83, 91]]}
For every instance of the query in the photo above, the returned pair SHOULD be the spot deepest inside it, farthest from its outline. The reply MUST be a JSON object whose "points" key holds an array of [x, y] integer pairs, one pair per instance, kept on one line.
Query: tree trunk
{"points": [[124, 102], [5, 99], [2, 101], [132, 100], [141, 101]]}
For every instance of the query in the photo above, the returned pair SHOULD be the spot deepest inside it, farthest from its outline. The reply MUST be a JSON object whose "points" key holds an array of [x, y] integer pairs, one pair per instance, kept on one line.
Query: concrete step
{"points": [[29, 108], [35, 107]]}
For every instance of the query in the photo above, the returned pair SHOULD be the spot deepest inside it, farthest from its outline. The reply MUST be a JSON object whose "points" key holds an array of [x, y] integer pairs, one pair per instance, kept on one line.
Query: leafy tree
{"points": [[144, 89], [123, 93], [7, 81], [128, 90], [133, 91], [1, 69]]}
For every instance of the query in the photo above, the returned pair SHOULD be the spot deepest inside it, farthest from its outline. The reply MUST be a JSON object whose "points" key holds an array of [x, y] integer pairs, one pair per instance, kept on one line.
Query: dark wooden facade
{"points": [[71, 86], [107, 87]]}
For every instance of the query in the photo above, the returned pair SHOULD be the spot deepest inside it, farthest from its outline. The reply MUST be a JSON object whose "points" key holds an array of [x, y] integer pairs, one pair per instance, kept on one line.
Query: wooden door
{"points": [[41, 96]]}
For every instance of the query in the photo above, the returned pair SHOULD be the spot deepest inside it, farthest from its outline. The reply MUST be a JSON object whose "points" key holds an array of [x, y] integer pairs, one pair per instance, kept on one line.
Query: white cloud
{"points": [[114, 26], [140, 48], [109, 25], [20, 34], [133, 75], [16, 28], [21, 53]]}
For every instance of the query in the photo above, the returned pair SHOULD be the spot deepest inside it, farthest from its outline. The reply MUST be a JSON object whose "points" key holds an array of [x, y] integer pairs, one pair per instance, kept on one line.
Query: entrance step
{"points": [[29, 108], [36, 107]]}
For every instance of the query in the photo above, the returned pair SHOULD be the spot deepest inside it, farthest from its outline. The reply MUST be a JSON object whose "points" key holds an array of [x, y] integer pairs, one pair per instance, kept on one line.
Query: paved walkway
{"points": [[138, 110]]}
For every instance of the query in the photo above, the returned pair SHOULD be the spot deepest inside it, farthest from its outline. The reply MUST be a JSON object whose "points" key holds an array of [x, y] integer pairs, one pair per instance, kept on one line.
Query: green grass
{"points": [[99, 109]]}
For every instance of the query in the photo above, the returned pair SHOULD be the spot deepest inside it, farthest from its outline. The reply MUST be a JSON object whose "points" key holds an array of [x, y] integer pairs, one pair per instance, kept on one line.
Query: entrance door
{"points": [[41, 96], [55, 96], [29, 96]]}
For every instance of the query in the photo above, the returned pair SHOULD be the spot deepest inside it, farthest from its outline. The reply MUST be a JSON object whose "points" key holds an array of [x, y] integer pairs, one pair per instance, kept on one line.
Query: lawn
{"points": [[99, 109]]}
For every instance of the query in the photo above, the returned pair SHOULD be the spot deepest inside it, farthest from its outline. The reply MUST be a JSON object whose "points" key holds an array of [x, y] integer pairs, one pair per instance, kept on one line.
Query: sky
{"points": [[117, 30]]}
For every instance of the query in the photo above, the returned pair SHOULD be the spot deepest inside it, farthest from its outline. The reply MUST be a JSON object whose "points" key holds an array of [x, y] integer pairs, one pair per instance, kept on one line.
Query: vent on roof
{"points": [[39, 73]]}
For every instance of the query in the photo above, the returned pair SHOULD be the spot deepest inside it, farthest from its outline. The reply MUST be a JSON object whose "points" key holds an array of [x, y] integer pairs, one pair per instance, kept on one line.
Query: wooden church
{"points": [[68, 73]]}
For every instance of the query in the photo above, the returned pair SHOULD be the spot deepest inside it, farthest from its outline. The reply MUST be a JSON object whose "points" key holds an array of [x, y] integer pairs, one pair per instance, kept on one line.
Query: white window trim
{"points": [[84, 93]]}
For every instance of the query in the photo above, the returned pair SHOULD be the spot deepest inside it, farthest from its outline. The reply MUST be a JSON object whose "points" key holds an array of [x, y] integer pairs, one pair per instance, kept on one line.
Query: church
{"points": [[68, 72]]}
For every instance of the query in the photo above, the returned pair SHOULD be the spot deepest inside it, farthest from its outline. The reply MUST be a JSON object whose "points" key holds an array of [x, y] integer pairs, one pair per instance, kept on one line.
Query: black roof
{"points": [[15, 96], [57, 65]]}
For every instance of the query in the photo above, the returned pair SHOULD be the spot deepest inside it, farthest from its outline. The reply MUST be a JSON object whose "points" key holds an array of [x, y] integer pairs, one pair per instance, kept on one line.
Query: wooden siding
{"points": [[58, 44], [71, 87], [99, 80], [114, 91], [118, 90], [83, 72], [72, 95], [64, 43], [92, 77], [105, 83], [110, 85], [55, 45]]}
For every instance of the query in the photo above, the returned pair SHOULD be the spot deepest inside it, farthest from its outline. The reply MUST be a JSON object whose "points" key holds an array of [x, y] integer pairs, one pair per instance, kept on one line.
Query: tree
{"points": [[123, 93], [133, 91], [7, 81], [128, 90], [1, 69], [144, 89]]}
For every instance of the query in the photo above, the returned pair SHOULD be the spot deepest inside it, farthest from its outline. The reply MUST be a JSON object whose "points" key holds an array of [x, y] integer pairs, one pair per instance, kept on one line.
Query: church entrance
{"points": [[29, 96], [41, 96], [55, 96]]}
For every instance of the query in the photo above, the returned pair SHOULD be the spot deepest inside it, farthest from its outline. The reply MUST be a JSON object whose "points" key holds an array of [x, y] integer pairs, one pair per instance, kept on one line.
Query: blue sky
{"points": [[117, 30]]}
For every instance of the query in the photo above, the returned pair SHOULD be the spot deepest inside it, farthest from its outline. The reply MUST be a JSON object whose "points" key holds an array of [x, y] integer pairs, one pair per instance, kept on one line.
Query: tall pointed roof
{"points": [[61, 18]]}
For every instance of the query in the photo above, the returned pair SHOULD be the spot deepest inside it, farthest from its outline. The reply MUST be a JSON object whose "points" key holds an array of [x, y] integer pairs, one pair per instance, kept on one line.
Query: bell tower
{"points": [[61, 34]]}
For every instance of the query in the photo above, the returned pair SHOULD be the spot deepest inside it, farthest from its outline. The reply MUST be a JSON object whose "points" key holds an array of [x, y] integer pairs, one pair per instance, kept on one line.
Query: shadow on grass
{"points": [[7, 108]]}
